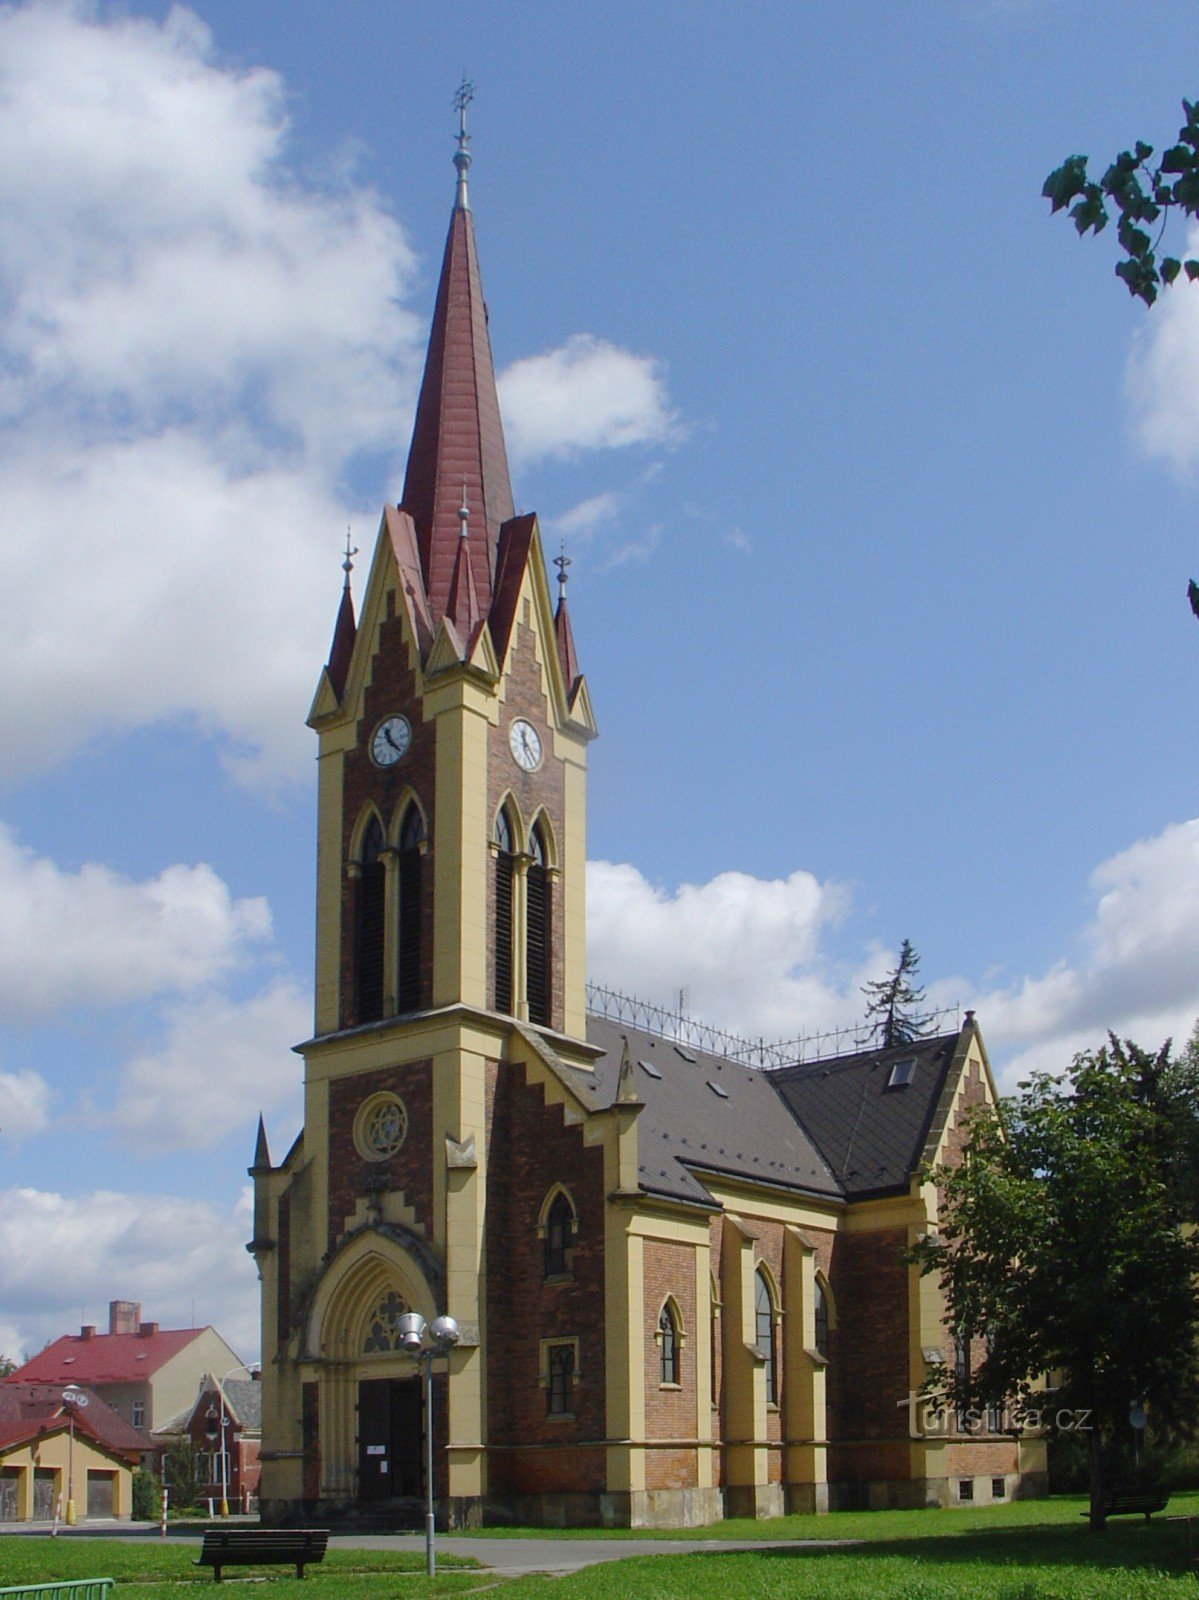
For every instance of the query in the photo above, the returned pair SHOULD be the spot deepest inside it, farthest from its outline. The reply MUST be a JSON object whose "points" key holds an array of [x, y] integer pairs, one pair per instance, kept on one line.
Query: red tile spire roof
{"points": [[458, 437]]}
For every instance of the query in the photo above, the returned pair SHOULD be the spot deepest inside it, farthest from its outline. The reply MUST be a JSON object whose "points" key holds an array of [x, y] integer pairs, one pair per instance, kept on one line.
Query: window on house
{"points": [[559, 1236], [560, 1373], [504, 865], [764, 1332], [821, 1319], [538, 963], [139, 1414], [408, 921], [668, 1345], [371, 899]]}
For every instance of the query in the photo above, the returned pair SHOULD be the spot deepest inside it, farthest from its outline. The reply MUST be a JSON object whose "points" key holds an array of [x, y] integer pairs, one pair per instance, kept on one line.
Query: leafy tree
{"points": [[1061, 1245], [1142, 194], [146, 1505], [7, 1365], [893, 1002], [182, 1471]]}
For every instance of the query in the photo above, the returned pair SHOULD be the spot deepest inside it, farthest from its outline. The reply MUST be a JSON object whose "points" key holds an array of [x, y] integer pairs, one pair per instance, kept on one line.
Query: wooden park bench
{"points": [[1132, 1505], [262, 1547], [76, 1589]]}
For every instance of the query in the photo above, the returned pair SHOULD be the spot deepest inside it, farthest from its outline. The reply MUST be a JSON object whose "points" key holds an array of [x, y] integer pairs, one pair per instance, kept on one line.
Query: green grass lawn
{"points": [[152, 1569], [1030, 1550]]}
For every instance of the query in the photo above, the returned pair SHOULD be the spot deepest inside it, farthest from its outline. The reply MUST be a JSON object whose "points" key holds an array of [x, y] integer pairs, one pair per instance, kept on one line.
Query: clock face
{"points": [[525, 745], [391, 740]]}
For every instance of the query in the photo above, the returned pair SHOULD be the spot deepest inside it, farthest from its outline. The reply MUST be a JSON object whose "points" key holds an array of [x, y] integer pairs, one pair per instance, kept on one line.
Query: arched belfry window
{"points": [[538, 963], [505, 871], [371, 919], [764, 1333], [408, 909]]}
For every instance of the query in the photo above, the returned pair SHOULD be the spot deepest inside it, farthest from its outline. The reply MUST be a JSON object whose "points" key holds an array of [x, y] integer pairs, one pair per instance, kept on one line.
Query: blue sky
{"points": [[878, 488]]}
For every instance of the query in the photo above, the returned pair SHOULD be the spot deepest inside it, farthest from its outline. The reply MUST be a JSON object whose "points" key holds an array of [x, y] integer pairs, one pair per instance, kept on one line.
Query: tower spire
{"points": [[463, 98], [457, 436]]}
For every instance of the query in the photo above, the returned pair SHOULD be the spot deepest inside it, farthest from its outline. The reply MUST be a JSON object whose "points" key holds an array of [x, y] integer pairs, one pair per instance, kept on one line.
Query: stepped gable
{"points": [[871, 1134]]}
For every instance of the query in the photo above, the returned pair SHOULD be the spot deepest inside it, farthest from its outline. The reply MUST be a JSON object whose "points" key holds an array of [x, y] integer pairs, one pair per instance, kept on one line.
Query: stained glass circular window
{"points": [[381, 1126]]}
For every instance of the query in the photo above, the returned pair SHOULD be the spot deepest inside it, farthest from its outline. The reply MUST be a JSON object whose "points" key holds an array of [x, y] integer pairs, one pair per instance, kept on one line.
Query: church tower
{"points": [[453, 726]]}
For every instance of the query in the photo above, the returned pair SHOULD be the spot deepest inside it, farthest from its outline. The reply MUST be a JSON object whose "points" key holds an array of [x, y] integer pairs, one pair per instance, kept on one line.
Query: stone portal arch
{"points": [[373, 1278]]}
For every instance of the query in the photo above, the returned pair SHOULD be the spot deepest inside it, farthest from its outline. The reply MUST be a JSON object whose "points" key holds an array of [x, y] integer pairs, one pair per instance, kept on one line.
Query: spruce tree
{"points": [[893, 1003]]}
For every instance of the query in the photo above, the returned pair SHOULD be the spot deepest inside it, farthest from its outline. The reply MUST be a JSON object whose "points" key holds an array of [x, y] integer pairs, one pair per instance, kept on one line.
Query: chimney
{"points": [[88, 1331], [123, 1316], [147, 1330]]}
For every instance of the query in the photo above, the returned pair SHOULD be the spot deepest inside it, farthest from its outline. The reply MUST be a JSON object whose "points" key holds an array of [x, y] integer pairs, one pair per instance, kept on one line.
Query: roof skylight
{"points": [[902, 1073]]}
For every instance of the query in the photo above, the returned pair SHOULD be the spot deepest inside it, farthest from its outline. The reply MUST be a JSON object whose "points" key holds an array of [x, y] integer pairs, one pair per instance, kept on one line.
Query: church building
{"points": [[678, 1277]]}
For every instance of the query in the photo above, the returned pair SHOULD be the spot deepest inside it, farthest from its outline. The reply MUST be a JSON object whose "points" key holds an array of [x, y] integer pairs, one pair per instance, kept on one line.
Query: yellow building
{"points": [[58, 1459], [678, 1277]]}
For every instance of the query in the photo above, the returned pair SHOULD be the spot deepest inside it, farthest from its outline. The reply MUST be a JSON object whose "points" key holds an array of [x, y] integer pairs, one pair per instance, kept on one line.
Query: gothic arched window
{"points": [[505, 862], [559, 1236], [821, 1310], [764, 1332], [668, 1344], [408, 920], [538, 962], [371, 921]]}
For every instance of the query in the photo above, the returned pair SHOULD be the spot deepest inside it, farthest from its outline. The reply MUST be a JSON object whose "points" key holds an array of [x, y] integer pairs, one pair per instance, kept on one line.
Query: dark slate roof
{"points": [[872, 1136], [244, 1397], [689, 1127]]}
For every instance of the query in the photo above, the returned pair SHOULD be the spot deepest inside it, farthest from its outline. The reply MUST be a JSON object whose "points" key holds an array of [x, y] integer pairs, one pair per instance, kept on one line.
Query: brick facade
{"points": [[409, 1170], [532, 1148]]}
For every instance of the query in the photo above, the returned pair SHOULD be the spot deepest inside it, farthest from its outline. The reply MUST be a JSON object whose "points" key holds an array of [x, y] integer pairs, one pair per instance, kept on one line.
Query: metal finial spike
{"points": [[347, 565], [463, 98], [463, 513], [562, 561]]}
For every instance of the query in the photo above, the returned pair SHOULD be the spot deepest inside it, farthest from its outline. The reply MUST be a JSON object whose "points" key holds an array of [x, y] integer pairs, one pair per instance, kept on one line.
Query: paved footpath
{"points": [[508, 1556]]}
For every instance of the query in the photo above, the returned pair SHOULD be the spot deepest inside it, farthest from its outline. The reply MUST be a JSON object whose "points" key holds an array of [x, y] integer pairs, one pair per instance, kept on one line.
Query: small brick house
{"points": [[679, 1278], [223, 1425]]}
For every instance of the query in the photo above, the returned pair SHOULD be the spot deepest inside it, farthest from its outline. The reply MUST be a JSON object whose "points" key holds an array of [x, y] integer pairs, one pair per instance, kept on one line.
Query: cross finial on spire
{"points": [[347, 565], [463, 514], [463, 98], [562, 561]]}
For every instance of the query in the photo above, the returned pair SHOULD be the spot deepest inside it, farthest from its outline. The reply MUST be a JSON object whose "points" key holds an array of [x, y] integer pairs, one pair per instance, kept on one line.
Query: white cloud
{"points": [[585, 395], [161, 1250], [195, 344], [1138, 974], [753, 957], [24, 1108], [587, 518], [101, 938], [222, 1062], [1163, 374], [747, 951]]}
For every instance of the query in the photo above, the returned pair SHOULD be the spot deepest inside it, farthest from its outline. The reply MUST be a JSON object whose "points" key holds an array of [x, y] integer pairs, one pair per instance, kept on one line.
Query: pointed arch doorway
{"points": [[371, 1397]]}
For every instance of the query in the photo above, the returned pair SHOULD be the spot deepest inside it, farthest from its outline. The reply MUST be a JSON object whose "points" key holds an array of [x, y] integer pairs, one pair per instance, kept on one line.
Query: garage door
{"points": [[99, 1494], [9, 1478]]}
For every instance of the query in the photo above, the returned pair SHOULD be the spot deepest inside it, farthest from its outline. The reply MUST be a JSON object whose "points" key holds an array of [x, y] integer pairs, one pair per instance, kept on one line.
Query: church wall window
{"points": [[505, 871], [408, 908], [381, 1325], [538, 930], [560, 1373], [821, 1320], [764, 1333], [558, 1229], [370, 931], [670, 1338]]}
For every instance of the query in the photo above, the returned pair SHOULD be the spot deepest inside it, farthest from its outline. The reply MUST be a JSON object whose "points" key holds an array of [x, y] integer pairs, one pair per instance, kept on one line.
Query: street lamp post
{"points": [[74, 1399], [424, 1343], [253, 1367]]}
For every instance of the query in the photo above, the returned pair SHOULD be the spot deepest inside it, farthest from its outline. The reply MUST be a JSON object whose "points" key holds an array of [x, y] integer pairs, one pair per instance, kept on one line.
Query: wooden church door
{"points": [[389, 1439]]}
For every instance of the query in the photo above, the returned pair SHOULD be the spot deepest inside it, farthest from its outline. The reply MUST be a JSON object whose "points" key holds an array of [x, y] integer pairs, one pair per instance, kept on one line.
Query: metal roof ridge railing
{"points": [[824, 1045]]}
